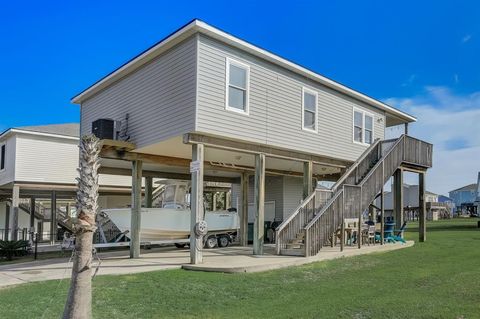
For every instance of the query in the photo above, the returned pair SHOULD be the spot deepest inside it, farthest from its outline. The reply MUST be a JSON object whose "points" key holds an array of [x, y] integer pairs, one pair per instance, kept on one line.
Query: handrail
{"points": [[367, 173], [295, 212], [323, 209], [374, 168], [355, 164]]}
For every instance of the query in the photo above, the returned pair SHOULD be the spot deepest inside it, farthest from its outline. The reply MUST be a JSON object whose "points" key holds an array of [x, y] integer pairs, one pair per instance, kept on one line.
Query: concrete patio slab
{"points": [[244, 261], [228, 260]]}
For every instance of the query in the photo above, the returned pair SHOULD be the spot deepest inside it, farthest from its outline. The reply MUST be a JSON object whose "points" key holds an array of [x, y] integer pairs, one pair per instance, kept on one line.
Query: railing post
{"points": [[307, 243], [359, 232], [342, 236], [334, 228], [382, 209]]}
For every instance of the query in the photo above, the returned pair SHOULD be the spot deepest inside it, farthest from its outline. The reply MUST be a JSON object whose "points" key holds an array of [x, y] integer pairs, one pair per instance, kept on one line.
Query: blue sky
{"points": [[408, 53]]}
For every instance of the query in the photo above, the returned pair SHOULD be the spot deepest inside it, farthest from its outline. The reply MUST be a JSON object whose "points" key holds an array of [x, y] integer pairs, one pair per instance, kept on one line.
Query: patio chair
{"points": [[398, 236], [392, 238], [368, 235]]}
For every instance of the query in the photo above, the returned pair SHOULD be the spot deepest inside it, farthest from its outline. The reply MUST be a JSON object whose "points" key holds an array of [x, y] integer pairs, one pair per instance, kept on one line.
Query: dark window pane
{"points": [[358, 119], [238, 76], [368, 123], [236, 98], [368, 137], [2, 157], [357, 134], [309, 120], [309, 101]]}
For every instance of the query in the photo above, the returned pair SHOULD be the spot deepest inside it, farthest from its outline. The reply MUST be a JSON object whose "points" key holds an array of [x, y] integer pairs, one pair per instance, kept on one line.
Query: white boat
{"points": [[171, 221], [159, 224]]}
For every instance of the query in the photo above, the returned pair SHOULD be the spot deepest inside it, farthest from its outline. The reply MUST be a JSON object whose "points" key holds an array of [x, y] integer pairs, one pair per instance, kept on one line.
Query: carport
{"points": [[200, 158]]}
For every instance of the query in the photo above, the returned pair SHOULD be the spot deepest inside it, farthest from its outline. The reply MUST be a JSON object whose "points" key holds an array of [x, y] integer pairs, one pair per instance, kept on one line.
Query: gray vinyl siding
{"points": [[273, 192], [276, 107], [292, 194], [159, 97]]}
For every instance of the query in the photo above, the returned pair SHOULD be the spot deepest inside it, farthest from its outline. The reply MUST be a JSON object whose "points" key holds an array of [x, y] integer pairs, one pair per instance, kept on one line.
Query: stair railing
{"points": [[361, 165], [349, 200], [292, 226]]}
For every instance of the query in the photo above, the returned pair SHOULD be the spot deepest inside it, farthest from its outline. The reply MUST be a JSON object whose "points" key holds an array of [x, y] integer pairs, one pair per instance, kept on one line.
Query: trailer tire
{"points": [[211, 242], [180, 246], [223, 241]]}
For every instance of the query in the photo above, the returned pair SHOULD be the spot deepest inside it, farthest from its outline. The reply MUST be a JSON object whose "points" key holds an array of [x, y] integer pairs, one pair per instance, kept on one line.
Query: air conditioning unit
{"points": [[105, 129]]}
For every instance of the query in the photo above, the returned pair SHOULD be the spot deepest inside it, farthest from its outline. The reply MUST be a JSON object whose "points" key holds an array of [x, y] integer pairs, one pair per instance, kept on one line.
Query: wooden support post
{"points": [[398, 197], [53, 219], [32, 219], [14, 211], [214, 201], [422, 216], [371, 213], [359, 229], [259, 204], [382, 217], [196, 198], [148, 191], [307, 179], [7, 223], [342, 228], [136, 215], [228, 199], [244, 212]]}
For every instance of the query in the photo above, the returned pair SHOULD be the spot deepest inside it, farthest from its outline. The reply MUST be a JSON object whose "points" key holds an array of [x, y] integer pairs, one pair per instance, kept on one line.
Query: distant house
{"points": [[467, 198], [436, 208], [38, 168]]}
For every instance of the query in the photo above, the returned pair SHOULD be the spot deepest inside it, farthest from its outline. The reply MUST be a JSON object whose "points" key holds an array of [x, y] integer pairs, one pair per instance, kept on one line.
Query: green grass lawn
{"points": [[436, 279]]}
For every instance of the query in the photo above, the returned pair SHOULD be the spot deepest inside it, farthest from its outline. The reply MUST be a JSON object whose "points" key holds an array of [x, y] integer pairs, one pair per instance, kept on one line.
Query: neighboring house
{"points": [[435, 208], [467, 198], [236, 111], [38, 168]]}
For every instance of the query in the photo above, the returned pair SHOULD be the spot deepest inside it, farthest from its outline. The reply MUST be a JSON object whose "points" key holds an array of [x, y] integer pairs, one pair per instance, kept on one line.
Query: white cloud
{"points": [[466, 38], [452, 123], [410, 80]]}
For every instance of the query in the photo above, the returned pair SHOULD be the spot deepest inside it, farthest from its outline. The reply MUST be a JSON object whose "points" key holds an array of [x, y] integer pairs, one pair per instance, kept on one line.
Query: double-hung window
{"points": [[309, 109], [237, 88], [362, 127], [2, 156]]}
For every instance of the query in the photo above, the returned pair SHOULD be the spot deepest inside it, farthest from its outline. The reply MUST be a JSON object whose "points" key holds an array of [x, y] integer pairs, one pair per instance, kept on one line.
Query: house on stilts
{"points": [[38, 182], [204, 105]]}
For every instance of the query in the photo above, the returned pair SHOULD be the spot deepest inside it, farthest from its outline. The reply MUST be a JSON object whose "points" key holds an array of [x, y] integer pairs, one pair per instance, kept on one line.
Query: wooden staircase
{"points": [[312, 225]]}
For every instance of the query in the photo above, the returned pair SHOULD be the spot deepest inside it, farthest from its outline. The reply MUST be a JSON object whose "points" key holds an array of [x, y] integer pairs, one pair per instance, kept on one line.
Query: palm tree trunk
{"points": [[79, 300]]}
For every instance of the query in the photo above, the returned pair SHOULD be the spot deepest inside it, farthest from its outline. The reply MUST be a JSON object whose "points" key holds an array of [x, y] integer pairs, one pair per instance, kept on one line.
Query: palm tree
{"points": [[79, 300]]}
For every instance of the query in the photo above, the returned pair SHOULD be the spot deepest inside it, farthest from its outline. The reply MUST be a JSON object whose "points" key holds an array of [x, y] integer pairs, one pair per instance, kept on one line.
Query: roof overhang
{"points": [[197, 26], [12, 131]]}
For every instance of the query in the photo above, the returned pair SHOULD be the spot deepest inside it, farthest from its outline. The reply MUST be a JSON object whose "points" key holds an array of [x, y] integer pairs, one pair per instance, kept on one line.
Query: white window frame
{"points": [[228, 62], [5, 158], [364, 114], [315, 93]]}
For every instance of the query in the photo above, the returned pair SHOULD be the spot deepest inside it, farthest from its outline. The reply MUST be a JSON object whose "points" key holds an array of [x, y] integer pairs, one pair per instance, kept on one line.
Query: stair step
{"points": [[296, 241], [291, 252], [300, 236], [295, 246]]}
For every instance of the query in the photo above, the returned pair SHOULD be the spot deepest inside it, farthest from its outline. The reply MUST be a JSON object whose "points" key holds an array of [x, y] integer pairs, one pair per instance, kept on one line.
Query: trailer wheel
{"points": [[211, 242], [180, 246], [223, 241]]}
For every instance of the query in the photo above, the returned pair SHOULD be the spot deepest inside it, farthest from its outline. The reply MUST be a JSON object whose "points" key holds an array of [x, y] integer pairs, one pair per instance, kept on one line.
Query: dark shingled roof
{"points": [[67, 129]]}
